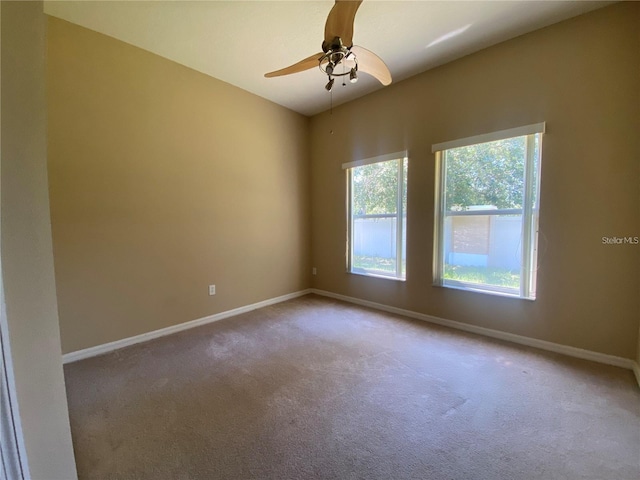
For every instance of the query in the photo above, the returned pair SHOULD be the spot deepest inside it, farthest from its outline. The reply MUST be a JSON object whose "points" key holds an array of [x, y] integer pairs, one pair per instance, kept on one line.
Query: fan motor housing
{"points": [[335, 45]]}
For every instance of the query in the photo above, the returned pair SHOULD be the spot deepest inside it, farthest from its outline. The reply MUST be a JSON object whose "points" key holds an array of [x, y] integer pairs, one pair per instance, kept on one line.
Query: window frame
{"points": [[530, 212], [401, 215]]}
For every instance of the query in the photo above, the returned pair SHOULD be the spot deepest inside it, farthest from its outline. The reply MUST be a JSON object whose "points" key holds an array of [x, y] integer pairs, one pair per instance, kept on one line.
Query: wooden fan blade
{"points": [[372, 64], [340, 21], [302, 65]]}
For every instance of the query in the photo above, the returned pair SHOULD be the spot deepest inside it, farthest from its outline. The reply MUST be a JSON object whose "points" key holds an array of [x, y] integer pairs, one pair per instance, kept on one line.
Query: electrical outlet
{"points": [[313, 271], [212, 289]]}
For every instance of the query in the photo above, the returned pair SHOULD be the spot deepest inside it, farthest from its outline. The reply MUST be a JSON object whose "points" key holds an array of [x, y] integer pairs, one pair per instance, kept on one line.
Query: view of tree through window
{"points": [[488, 219], [375, 188], [378, 218], [486, 174]]}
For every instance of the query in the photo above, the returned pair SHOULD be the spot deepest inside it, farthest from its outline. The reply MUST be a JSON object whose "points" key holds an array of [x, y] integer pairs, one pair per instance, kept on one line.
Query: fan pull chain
{"points": [[331, 107]]}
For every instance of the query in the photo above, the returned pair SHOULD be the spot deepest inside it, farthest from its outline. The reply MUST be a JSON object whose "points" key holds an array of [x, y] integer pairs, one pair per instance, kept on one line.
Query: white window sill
{"points": [[374, 275], [475, 288]]}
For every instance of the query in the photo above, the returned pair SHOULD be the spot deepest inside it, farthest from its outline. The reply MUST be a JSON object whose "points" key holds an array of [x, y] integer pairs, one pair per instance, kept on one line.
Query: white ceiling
{"points": [[239, 41]]}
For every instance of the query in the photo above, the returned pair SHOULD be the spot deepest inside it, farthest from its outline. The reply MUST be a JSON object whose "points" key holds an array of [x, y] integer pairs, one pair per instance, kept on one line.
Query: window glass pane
{"points": [[490, 174], [483, 250], [482, 226], [375, 188], [375, 218]]}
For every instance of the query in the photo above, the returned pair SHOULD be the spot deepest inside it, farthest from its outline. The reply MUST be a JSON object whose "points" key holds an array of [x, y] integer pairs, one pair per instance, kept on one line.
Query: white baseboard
{"points": [[510, 337], [125, 342], [636, 370], [519, 339]]}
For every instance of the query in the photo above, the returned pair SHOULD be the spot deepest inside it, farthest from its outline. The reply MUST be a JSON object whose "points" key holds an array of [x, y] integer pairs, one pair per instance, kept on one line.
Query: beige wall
{"points": [[163, 181], [581, 77], [31, 320]]}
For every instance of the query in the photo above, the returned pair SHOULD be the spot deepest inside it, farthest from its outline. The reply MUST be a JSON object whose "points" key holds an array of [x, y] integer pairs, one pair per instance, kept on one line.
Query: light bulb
{"points": [[353, 76], [329, 85]]}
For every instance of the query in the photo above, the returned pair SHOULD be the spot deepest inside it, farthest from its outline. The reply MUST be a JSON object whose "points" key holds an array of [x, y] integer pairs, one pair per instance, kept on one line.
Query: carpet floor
{"points": [[315, 388]]}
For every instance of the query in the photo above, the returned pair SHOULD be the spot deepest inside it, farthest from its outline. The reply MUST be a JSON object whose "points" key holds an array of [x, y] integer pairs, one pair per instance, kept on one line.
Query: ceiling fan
{"points": [[339, 56]]}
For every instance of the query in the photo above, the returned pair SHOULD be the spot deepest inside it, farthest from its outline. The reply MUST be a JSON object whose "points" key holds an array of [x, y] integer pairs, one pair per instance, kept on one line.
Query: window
{"points": [[377, 206], [486, 219]]}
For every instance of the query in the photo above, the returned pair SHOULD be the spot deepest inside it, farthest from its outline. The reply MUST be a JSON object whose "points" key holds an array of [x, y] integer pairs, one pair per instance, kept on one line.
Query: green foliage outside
{"points": [[499, 277], [386, 265], [486, 174], [375, 188], [482, 275]]}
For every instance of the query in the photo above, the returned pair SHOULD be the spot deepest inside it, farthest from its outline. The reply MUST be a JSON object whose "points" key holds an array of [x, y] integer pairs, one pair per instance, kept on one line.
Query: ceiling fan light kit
{"points": [[338, 50], [335, 55]]}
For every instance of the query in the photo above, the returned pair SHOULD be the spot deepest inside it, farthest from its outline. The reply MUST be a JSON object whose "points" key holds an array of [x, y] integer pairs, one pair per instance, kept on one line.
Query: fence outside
{"points": [[478, 240], [375, 236], [484, 241]]}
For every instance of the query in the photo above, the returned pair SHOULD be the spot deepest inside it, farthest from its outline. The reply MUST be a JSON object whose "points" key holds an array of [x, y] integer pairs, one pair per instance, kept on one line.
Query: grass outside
{"points": [[500, 277], [380, 264]]}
